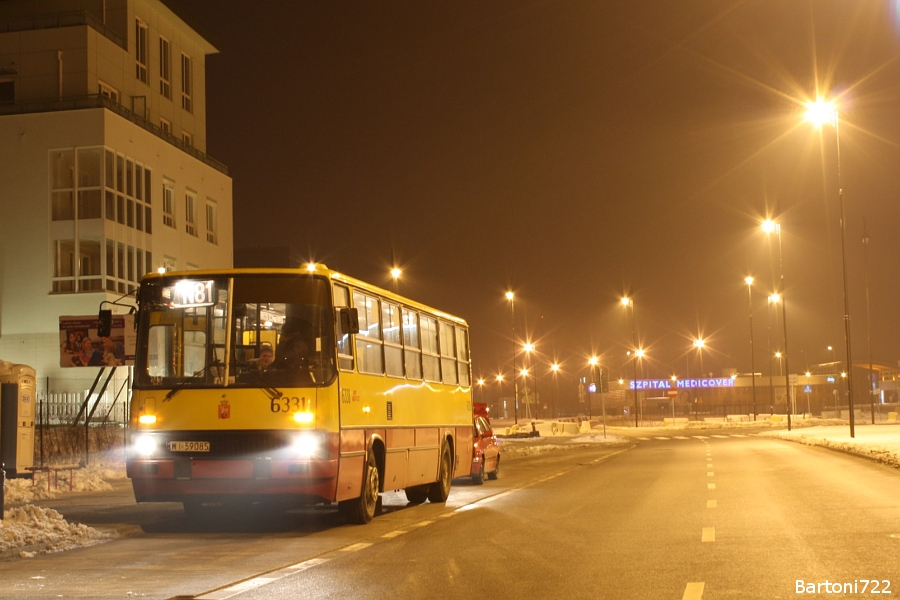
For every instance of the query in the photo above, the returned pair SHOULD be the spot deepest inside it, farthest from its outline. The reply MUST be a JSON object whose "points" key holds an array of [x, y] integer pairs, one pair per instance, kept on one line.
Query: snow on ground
{"points": [[880, 442], [27, 530]]}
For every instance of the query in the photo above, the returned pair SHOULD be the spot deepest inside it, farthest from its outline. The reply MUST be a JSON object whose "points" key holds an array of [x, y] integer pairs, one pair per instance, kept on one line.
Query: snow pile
{"points": [[517, 447], [29, 530], [93, 478], [880, 442]]}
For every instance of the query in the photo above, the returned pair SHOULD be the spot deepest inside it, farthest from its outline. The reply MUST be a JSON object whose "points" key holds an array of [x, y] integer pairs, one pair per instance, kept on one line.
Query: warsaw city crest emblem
{"points": [[224, 410]]}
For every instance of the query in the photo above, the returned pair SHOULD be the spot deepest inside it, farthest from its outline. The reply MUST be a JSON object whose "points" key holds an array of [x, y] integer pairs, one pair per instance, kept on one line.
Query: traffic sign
{"points": [[672, 393], [807, 389]]}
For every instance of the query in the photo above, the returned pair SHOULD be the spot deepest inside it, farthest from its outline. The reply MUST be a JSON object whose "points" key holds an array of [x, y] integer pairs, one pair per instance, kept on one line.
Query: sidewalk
{"points": [[879, 442]]}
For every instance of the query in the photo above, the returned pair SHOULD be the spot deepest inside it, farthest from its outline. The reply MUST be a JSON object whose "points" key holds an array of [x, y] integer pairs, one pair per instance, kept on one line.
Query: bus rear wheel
{"points": [[439, 491], [363, 509]]}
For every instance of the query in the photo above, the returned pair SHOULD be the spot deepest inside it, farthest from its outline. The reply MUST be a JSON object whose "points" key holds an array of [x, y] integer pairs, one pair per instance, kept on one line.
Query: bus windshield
{"points": [[247, 330]]}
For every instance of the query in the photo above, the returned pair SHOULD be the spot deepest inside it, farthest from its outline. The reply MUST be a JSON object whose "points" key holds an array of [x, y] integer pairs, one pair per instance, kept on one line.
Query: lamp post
{"points": [[529, 348], [819, 113], [769, 226], [871, 385], [772, 300], [512, 313], [749, 281], [626, 302], [554, 368]]}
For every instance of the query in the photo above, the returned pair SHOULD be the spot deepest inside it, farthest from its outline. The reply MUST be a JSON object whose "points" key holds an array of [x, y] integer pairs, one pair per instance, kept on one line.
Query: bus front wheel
{"points": [[363, 509], [439, 491]]}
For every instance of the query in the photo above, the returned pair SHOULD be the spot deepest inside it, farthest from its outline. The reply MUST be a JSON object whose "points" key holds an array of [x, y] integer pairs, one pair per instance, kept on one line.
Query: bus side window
{"points": [[368, 340], [412, 354], [448, 352], [344, 346], [393, 352], [431, 366], [462, 349]]}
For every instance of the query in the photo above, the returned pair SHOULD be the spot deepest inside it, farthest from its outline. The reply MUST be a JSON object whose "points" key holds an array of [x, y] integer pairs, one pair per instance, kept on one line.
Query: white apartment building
{"points": [[103, 168]]}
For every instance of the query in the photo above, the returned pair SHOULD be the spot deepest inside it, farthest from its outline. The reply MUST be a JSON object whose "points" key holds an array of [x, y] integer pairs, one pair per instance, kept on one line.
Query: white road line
{"points": [[712, 504], [738, 435], [645, 439], [710, 486], [682, 437], [660, 438], [355, 547], [709, 534], [710, 474], [249, 584], [693, 591], [393, 534], [709, 465], [702, 437], [721, 437]]}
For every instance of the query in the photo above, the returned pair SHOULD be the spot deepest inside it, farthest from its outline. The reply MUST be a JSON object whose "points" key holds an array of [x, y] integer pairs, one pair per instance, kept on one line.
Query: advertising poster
{"points": [[80, 346]]}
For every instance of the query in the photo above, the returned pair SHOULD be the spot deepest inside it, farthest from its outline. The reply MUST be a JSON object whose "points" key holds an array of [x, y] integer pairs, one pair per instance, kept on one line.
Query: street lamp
{"points": [[749, 281], [769, 226], [626, 302], [819, 113], [512, 313], [554, 368], [699, 344]]}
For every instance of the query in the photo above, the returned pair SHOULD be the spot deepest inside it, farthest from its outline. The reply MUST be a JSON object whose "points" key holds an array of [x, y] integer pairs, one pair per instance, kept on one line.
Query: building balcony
{"points": [[66, 19], [99, 101]]}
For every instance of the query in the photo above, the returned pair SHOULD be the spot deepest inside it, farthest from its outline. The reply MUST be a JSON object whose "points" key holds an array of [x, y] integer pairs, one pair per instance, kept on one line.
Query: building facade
{"points": [[103, 168]]}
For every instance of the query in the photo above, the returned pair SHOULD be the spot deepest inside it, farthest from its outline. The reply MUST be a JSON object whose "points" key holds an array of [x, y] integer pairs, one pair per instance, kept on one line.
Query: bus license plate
{"points": [[188, 446]]}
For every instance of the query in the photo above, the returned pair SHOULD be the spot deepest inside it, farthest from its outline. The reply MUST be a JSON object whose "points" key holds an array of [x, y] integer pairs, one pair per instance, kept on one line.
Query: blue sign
{"points": [[668, 384], [592, 388], [830, 379], [807, 389]]}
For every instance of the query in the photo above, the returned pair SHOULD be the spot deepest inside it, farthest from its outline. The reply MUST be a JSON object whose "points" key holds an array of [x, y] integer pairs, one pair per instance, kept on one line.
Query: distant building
{"points": [[103, 168]]}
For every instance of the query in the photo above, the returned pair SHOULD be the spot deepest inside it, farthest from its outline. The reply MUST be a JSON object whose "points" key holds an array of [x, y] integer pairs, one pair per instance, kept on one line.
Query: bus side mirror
{"points": [[104, 323], [349, 320]]}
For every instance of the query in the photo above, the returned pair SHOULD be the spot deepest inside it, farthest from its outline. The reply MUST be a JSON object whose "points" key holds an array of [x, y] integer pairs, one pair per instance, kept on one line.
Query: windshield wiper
{"points": [[185, 383], [272, 392]]}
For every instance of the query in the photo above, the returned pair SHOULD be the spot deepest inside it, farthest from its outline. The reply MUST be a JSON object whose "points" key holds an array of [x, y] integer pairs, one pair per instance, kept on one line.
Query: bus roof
{"points": [[312, 269]]}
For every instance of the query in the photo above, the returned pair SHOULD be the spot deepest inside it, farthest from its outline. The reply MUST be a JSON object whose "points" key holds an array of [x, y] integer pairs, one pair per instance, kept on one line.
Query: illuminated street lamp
{"points": [[749, 281], [626, 302], [512, 312], [770, 226], [820, 113], [699, 344]]}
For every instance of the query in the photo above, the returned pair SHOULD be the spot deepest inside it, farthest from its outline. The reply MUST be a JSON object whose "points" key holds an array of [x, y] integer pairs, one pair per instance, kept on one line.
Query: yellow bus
{"points": [[296, 386]]}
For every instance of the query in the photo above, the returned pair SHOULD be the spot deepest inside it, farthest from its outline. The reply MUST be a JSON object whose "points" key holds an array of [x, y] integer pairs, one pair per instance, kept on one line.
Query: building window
{"points": [[211, 225], [190, 214], [140, 50], [64, 266], [7, 92], [75, 184], [188, 139], [168, 205], [165, 126], [165, 68], [109, 92], [186, 83]]}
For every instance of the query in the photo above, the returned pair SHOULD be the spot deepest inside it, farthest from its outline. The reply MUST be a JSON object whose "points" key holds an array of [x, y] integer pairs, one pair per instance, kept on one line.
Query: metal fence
{"points": [[60, 400]]}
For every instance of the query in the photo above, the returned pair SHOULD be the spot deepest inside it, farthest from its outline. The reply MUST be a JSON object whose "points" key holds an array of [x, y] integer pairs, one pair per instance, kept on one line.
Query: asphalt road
{"points": [[711, 516]]}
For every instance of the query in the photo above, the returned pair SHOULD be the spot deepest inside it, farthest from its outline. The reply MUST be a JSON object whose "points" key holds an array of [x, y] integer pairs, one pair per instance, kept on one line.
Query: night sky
{"points": [[573, 152]]}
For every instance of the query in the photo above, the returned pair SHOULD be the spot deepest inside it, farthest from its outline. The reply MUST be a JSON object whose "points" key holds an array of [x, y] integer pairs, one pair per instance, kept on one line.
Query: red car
{"points": [[486, 455]]}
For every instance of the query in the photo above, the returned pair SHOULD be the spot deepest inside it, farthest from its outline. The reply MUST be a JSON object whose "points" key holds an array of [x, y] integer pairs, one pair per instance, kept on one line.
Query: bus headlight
{"points": [[145, 445], [304, 417], [307, 444], [147, 419]]}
